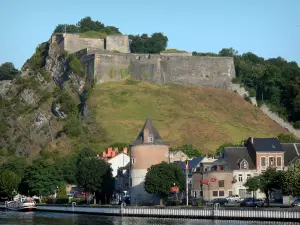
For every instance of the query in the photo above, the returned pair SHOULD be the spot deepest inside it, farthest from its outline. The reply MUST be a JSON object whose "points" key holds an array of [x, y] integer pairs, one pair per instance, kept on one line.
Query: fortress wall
{"points": [[176, 53], [191, 70], [194, 70], [73, 43], [117, 42]]}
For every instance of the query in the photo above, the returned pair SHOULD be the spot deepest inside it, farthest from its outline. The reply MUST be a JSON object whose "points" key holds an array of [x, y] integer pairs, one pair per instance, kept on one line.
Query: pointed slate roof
{"points": [[157, 140]]}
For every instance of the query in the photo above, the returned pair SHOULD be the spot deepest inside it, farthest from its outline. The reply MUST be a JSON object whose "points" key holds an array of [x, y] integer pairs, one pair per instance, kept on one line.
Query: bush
{"points": [[79, 201], [93, 34], [199, 203], [174, 50], [297, 124], [173, 203], [73, 127], [74, 65], [61, 201]]}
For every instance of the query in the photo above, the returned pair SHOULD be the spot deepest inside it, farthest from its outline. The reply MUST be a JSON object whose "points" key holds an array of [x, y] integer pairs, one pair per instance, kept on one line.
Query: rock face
{"points": [[5, 86]]}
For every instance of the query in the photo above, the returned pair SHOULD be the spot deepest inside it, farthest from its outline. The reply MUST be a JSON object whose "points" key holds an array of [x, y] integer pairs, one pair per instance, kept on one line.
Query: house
{"points": [[116, 159], [122, 182], [237, 164], [177, 156], [148, 149]]}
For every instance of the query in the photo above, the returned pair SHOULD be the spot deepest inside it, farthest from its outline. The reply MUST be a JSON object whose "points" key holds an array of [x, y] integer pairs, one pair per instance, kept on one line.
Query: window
{"points": [[201, 193], [271, 161], [278, 161], [221, 193], [221, 183], [215, 193], [244, 165], [248, 176], [229, 193], [150, 138], [132, 160], [262, 161], [240, 177]]}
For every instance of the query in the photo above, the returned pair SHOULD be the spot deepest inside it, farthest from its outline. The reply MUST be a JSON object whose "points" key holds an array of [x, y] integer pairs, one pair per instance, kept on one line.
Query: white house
{"points": [[120, 160]]}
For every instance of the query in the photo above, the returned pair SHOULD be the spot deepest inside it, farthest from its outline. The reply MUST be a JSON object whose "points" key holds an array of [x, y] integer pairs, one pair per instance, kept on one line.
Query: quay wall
{"points": [[172, 212]]}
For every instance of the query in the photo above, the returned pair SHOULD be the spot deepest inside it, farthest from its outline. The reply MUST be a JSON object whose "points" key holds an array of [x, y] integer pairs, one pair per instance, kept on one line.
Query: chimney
{"points": [[125, 151], [116, 150], [109, 152], [104, 154]]}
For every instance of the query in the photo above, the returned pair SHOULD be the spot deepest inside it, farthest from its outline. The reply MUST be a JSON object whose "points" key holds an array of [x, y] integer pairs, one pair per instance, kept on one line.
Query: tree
{"points": [[291, 180], [145, 44], [253, 184], [189, 150], [161, 177], [95, 176], [228, 52], [41, 178], [9, 182], [8, 71], [270, 180]]}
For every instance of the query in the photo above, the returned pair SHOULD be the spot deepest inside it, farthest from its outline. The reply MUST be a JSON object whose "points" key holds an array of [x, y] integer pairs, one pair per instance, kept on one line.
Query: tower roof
{"points": [[157, 140]]}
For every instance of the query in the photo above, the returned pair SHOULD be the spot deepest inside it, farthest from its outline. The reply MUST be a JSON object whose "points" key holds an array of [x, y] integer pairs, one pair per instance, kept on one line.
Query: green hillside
{"points": [[204, 117]]}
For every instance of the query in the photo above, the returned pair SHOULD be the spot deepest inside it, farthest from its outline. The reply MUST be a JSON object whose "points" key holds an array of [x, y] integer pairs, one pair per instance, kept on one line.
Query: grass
{"points": [[204, 117], [93, 34], [173, 50]]}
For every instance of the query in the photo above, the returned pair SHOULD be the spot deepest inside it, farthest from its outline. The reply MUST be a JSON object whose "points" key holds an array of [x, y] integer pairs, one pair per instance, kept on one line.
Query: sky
{"points": [[268, 28]]}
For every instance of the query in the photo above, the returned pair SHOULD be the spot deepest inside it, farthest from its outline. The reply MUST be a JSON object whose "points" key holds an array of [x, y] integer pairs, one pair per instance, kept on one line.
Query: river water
{"points": [[49, 218]]}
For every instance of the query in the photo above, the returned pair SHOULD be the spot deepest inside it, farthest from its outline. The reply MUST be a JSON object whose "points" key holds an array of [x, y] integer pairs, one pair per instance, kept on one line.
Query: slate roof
{"points": [[192, 163], [232, 155], [291, 152], [266, 144], [157, 140]]}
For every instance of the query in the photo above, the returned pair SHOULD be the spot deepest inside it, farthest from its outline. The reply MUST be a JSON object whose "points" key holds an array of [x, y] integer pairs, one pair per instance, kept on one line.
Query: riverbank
{"points": [[174, 212]]}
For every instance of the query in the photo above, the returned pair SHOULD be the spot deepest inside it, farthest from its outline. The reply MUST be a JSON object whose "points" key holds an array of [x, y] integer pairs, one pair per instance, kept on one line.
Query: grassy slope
{"points": [[204, 117]]}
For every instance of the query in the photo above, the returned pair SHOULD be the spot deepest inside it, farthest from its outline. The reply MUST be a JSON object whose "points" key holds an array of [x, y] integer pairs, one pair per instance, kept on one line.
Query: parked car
{"points": [[252, 202], [221, 201], [233, 198], [296, 202]]}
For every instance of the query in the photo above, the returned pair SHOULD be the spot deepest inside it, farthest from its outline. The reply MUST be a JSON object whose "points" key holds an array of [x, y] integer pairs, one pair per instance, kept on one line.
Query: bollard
{"points": [[73, 206]]}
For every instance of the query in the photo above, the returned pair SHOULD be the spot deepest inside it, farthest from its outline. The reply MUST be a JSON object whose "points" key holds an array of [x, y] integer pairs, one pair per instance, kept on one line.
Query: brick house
{"points": [[242, 163], [148, 149]]}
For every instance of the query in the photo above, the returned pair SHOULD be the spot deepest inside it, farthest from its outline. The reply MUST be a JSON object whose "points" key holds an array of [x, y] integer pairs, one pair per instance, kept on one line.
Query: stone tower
{"points": [[148, 149]]}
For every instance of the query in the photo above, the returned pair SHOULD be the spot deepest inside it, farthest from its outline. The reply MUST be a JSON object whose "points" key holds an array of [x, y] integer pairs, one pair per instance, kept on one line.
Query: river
{"points": [[49, 218]]}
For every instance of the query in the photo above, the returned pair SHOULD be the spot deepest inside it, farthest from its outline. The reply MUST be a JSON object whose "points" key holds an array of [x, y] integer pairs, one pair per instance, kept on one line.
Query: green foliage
{"points": [[74, 65], [161, 177], [144, 44], [112, 73], [86, 24], [62, 193], [67, 104], [144, 75], [228, 52], [125, 73], [79, 201], [95, 175], [9, 182], [16, 165], [291, 180], [189, 150], [120, 146], [38, 59], [205, 54], [93, 34], [8, 71], [73, 127], [253, 184], [173, 50], [297, 125], [287, 138]]}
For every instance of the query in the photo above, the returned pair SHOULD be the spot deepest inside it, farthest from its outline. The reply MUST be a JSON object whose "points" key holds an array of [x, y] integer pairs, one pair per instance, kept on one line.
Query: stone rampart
{"points": [[117, 43], [190, 70], [176, 53], [74, 43]]}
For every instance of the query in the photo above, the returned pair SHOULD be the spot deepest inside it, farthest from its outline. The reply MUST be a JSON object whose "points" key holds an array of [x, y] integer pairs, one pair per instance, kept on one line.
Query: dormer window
{"points": [[150, 138], [243, 165]]}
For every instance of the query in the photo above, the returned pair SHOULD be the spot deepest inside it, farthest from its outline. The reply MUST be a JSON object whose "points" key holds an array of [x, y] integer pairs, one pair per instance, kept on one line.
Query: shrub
{"points": [[74, 65], [297, 124], [38, 59], [199, 203], [93, 34], [79, 201], [61, 201], [73, 127], [173, 203], [173, 50]]}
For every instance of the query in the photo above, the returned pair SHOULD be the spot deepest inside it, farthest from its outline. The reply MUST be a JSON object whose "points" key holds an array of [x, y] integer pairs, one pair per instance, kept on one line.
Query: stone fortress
{"points": [[109, 59]]}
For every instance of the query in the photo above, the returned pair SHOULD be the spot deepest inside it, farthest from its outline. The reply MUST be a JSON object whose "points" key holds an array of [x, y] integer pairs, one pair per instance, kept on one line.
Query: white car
{"points": [[233, 198]]}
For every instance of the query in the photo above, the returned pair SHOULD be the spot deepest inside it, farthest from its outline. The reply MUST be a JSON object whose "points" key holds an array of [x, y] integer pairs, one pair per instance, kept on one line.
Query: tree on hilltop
{"points": [[8, 71]]}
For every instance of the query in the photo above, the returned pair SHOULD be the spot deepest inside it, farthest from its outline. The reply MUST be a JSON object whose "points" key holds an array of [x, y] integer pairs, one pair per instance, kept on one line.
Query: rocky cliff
{"points": [[43, 105]]}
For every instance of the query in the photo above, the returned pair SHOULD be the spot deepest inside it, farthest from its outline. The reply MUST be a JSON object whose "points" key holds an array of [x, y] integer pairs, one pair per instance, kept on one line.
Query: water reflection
{"points": [[46, 218]]}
